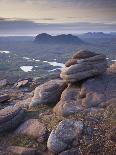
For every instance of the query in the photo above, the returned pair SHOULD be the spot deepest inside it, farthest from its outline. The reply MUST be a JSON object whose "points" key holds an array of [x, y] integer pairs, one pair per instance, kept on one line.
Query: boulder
{"points": [[69, 102], [97, 92], [4, 98], [33, 128], [67, 134], [82, 65], [21, 150], [10, 117], [48, 92]]}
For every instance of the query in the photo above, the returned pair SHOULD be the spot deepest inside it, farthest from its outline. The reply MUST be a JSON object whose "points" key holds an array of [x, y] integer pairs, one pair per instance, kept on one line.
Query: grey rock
{"points": [[82, 65], [48, 92], [10, 117], [69, 102], [66, 135], [95, 93]]}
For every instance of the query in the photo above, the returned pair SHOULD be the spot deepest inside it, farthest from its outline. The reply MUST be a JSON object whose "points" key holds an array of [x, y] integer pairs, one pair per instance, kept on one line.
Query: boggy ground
{"points": [[98, 137]]}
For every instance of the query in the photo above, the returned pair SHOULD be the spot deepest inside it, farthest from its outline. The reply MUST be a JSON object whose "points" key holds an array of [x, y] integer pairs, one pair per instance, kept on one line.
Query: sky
{"points": [[68, 16]]}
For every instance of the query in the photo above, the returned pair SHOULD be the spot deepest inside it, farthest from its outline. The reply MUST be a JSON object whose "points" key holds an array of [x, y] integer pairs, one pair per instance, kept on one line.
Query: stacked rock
{"points": [[10, 117], [82, 65]]}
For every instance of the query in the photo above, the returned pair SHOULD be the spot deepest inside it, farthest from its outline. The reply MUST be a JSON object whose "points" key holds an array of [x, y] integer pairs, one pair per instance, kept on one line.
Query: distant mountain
{"points": [[98, 35], [62, 39]]}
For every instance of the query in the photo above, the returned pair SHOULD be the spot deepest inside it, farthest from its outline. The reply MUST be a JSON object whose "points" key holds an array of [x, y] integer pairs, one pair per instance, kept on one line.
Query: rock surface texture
{"points": [[82, 65], [33, 128], [93, 93], [66, 135], [10, 117], [48, 92]]}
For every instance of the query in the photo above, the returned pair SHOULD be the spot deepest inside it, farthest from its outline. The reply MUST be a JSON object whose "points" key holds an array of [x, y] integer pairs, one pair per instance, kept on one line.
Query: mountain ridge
{"points": [[63, 38]]}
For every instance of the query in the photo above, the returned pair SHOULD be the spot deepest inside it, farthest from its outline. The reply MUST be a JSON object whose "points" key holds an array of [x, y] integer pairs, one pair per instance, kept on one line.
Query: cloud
{"points": [[25, 27]]}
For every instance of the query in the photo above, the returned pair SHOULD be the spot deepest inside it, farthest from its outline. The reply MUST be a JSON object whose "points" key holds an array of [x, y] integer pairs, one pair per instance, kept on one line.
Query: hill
{"points": [[62, 39]]}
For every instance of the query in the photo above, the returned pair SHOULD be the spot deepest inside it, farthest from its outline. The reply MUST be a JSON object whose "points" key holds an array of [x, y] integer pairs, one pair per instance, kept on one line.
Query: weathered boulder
{"points": [[10, 117], [82, 65], [48, 92], [4, 98], [69, 102], [97, 92], [67, 134], [33, 128], [21, 150]]}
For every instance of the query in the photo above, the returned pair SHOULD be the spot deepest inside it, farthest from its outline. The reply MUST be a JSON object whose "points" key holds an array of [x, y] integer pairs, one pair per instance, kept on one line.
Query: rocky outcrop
{"points": [[10, 117], [66, 135], [48, 92], [82, 65], [33, 128], [92, 93]]}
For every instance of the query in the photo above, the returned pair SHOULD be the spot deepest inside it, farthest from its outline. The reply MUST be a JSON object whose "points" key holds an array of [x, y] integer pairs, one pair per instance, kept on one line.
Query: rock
{"points": [[3, 83], [4, 98], [97, 93], [48, 92], [112, 68], [82, 65], [69, 102], [10, 117], [33, 128], [74, 151], [98, 90], [23, 82], [67, 134], [21, 150]]}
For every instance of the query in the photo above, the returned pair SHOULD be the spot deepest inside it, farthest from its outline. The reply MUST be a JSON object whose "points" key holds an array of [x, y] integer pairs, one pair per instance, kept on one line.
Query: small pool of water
{"points": [[26, 68]]}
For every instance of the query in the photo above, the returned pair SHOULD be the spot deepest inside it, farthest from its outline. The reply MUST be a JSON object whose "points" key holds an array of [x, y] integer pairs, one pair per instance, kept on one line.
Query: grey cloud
{"points": [[27, 27]]}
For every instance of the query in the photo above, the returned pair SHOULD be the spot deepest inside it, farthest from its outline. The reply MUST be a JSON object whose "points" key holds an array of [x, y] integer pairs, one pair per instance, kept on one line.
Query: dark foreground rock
{"points": [[48, 92], [10, 117], [82, 65], [66, 135]]}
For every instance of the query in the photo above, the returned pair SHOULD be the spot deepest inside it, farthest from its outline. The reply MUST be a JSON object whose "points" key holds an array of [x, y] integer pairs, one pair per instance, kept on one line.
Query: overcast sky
{"points": [[60, 15]]}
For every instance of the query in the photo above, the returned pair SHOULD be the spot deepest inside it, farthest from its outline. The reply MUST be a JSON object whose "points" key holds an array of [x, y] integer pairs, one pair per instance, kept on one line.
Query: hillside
{"points": [[72, 114]]}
